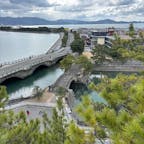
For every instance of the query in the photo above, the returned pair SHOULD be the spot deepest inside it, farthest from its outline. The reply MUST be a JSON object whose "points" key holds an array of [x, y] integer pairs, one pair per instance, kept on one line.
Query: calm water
{"points": [[81, 90], [15, 45], [19, 45], [42, 77], [75, 26]]}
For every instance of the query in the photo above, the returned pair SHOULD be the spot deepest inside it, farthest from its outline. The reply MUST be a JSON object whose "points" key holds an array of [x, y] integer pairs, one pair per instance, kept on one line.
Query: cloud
{"points": [[120, 2], [74, 9], [37, 3]]}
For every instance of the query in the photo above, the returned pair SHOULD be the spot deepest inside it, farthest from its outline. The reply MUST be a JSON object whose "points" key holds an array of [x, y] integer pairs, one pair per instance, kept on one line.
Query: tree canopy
{"points": [[100, 53], [78, 44], [85, 63], [16, 129], [67, 62], [81, 60], [121, 120], [131, 30], [64, 39]]}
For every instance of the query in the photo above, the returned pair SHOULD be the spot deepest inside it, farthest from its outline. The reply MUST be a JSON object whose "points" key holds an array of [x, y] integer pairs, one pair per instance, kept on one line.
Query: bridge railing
{"points": [[26, 64], [28, 58]]}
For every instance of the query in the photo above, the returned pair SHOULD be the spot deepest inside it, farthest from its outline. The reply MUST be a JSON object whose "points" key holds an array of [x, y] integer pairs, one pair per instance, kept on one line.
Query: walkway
{"points": [[66, 79], [27, 64]]}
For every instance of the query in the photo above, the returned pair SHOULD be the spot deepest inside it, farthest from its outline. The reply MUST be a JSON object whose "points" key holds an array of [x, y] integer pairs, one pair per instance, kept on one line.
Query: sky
{"points": [[89, 10]]}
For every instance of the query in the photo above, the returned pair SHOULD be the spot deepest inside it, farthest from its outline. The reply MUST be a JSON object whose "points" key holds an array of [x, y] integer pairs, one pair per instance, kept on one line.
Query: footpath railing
{"points": [[54, 46]]}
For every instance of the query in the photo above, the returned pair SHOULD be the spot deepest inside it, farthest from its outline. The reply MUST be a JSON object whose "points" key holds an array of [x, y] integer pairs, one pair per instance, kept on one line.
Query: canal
{"points": [[81, 90], [19, 45], [42, 77]]}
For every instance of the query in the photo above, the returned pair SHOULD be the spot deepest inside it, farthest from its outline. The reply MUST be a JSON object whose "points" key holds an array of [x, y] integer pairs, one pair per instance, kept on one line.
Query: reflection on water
{"points": [[42, 77], [82, 90]]}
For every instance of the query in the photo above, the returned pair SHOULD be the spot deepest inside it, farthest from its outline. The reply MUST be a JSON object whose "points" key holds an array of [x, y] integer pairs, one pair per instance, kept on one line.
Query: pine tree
{"points": [[122, 119], [131, 30]]}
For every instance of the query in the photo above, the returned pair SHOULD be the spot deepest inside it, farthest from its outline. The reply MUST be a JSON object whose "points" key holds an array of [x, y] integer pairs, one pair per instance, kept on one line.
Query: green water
{"points": [[17, 45], [81, 90], [42, 77]]}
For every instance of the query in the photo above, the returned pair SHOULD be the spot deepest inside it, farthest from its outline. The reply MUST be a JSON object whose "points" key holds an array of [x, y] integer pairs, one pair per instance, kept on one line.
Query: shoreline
{"points": [[52, 47], [33, 98], [34, 32], [40, 30]]}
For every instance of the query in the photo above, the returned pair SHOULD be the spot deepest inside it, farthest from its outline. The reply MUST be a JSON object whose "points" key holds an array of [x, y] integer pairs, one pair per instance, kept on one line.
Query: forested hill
{"points": [[40, 21]]}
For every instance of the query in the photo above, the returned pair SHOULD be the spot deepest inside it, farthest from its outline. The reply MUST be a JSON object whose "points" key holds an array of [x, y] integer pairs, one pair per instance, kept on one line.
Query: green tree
{"points": [[131, 30], [141, 35], [60, 91], [67, 62], [15, 129], [121, 120], [77, 46], [87, 113], [38, 92], [3, 96], [85, 63], [55, 128], [99, 53], [75, 135], [64, 39]]}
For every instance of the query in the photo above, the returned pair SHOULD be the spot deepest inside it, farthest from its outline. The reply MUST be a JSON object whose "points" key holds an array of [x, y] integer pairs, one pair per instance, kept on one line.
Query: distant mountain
{"points": [[40, 21], [22, 21]]}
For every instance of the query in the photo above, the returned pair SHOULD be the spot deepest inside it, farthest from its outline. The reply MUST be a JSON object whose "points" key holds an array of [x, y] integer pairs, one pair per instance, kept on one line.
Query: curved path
{"points": [[66, 79]]}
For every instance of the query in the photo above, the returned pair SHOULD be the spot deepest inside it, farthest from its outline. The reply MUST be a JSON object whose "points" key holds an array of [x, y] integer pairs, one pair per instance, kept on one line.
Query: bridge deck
{"points": [[27, 64], [67, 77], [55, 53]]}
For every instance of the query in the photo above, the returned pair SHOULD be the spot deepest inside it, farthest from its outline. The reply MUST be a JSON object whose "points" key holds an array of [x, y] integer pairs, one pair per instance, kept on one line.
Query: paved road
{"points": [[70, 39], [36, 110]]}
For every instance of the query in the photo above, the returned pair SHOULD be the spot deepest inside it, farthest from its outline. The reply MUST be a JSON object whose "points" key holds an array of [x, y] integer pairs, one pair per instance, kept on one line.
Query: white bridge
{"points": [[25, 67]]}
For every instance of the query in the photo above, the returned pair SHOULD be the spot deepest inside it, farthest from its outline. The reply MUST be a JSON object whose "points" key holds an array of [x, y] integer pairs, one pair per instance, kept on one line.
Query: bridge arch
{"points": [[38, 67], [70, 81], [13, 78]]}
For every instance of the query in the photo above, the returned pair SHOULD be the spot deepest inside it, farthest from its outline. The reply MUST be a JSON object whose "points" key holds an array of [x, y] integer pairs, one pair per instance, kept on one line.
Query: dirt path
{"points": [[47, 97]]}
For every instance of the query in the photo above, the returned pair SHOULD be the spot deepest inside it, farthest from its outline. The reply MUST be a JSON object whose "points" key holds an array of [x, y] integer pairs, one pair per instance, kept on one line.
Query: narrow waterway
{"points": [[42, 77], [19, 45], [81, 90]]}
